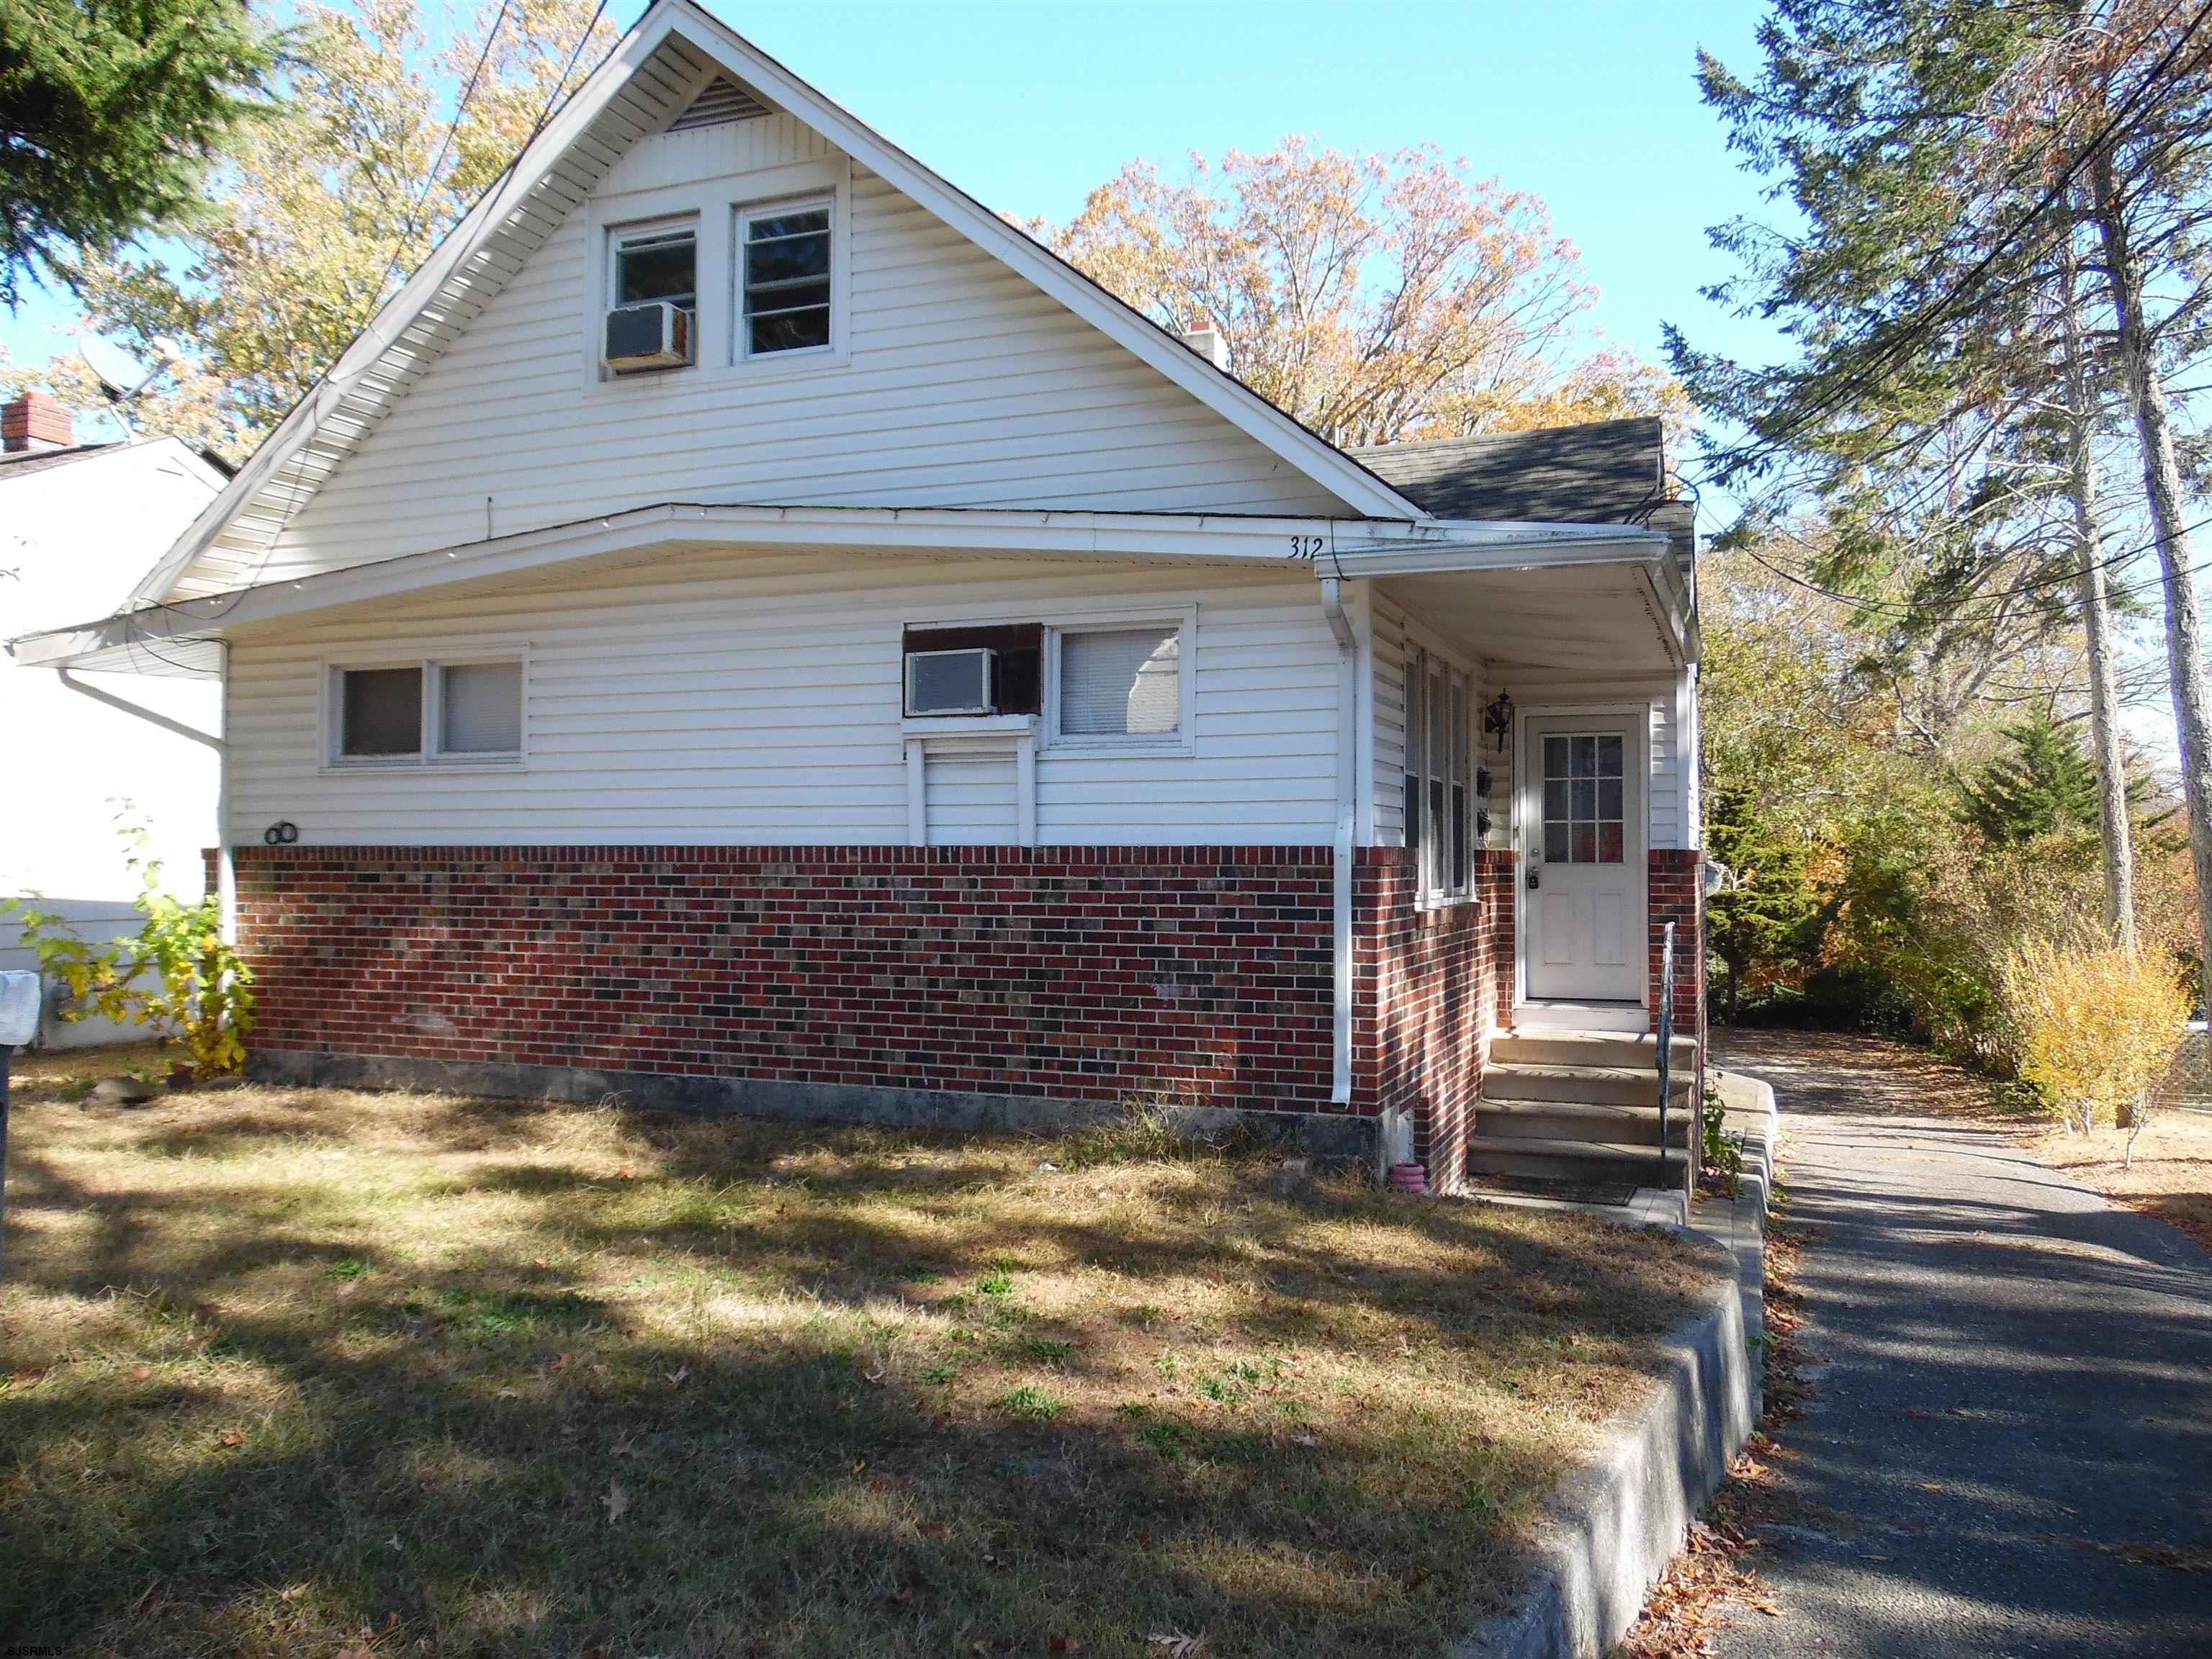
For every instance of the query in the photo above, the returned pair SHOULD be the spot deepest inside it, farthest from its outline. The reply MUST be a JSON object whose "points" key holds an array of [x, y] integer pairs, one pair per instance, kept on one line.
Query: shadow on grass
{"points": [[488, 1458]]}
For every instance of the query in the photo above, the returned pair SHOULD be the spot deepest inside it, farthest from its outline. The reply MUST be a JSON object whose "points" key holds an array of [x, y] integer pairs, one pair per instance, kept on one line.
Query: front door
{"points": [[1583, 826]]}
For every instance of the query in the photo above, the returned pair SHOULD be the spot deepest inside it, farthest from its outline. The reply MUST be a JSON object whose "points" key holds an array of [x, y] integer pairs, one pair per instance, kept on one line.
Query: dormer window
{"points": [[785, 278], [659, 262]]}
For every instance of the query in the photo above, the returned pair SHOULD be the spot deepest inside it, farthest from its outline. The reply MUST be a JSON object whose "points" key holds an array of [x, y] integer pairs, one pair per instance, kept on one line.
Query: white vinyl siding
{"points": [[739, 699], [964, 386]]}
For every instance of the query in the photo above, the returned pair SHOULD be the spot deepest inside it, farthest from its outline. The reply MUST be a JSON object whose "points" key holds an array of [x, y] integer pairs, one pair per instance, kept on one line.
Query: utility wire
{"points": [[1914, 328]]}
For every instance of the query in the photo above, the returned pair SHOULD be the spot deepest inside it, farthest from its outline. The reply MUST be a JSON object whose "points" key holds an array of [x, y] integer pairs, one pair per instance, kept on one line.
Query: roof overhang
{"points": [[1599, 597], [179, 637]]}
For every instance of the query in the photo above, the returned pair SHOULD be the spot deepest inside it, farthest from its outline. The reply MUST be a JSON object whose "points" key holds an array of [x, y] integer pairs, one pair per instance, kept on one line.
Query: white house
{"points": [[79, 526], [746, 627]]}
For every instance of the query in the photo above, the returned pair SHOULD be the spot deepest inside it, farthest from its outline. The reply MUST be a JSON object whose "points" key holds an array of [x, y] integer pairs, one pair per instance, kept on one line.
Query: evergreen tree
{"points": [[111, 112], [1766, 927], [2043, 784]]}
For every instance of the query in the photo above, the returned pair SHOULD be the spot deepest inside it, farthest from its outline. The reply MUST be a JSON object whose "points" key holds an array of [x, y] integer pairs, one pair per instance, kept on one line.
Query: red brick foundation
{"points": [[1678, 895], [1083, 973], [1069, 974], [1425, 1002]]}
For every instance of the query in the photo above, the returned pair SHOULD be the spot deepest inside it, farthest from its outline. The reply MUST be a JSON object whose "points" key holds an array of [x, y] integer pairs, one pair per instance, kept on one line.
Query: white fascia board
{"points": [[399, 313], [1362, 547], [1442, 547]]}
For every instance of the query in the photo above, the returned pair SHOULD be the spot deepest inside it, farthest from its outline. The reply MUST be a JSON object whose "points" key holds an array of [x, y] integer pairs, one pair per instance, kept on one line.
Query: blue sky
{"points": [[1026, 104]]}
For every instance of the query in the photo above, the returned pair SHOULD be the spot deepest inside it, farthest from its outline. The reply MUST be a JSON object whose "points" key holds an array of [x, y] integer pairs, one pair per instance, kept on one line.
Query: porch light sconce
{"points": [[1498, 720]]}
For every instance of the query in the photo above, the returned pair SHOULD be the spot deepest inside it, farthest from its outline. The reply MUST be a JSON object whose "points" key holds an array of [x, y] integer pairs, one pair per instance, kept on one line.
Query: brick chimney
{"points": [[34, 422]]}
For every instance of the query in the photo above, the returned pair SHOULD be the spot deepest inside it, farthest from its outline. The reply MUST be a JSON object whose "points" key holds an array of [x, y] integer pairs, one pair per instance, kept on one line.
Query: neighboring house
{"points": [[633, 724], [79, 526]]}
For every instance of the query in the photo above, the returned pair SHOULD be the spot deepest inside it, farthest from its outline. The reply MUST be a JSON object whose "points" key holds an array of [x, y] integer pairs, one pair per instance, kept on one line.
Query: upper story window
{"points": [[653, 297], [659, 262], [460, 711], [784, 283]]}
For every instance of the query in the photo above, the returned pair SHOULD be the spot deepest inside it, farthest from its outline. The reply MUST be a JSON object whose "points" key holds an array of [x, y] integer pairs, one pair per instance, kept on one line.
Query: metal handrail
{"points": [[1664, 1026]]}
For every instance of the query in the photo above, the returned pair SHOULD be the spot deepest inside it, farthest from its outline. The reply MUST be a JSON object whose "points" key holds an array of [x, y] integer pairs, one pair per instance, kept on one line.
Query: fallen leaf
{"points": [[231, 1437], [24, 1378], [1064, 1644], [138, 1373], [509, 1394], [676, 1377], [616, 1500], [931, 1529]]}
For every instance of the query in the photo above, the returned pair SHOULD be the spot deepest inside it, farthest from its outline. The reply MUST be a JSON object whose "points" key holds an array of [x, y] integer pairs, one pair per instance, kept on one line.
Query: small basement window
{"points": [[429, 712], [785, 280], [1120, 684]]}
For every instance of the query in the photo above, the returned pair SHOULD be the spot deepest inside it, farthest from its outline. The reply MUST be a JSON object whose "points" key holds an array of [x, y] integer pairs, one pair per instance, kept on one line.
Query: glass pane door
{"points": [[1583, 796]]}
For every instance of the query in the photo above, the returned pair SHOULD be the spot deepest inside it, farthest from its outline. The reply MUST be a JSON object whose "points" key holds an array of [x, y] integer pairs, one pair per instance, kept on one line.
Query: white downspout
{"points": [[226, 865], [1347, 804]]}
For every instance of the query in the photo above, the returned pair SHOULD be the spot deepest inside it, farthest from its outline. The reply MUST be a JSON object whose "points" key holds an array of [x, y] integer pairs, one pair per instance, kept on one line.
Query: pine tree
{"points": [[110, 113], [2043, 784], [1767, 925]]}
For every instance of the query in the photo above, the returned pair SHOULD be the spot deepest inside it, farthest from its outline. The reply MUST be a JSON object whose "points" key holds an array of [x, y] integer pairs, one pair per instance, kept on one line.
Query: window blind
{"points": [[1125, 682], [481, 708], [382, 711]]}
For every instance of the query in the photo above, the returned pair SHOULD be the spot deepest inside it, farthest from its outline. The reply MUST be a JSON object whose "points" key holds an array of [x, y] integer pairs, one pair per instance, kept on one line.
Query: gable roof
{"points": [[674, 52]]}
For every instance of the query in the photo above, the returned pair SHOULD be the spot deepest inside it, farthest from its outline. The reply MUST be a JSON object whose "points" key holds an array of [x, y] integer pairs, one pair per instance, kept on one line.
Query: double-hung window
{"points": [[657, 262], [1439, 816], [466, 710], [784, 279]]}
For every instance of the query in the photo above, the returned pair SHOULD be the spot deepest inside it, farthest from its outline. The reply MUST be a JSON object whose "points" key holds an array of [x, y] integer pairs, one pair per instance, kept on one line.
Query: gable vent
{"points": [[721, 99]]}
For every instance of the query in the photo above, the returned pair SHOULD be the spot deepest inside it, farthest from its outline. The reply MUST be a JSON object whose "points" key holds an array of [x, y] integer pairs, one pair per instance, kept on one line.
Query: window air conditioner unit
{"points": [[653, 334], [949, 682]]}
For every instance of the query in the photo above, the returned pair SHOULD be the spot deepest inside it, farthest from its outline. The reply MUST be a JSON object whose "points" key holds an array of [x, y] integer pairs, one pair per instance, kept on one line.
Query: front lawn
{"points": [[313, 1372]]}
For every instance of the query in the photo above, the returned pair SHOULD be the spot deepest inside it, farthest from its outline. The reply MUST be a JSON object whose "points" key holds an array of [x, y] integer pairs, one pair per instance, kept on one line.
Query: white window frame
{"points": [[714, 204], [427, 755], [742, 216], [619, 236], [1434, 887], [1180, 741]]}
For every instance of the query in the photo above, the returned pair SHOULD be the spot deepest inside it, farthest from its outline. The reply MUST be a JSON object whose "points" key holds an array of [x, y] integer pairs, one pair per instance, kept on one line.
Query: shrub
{"points": [[1718, 1156], [203, 1005], [2093, 1026]]}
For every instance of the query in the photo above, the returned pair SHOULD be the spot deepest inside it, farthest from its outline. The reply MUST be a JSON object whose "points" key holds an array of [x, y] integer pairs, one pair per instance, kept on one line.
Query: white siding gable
{"points": [[963, 386]]}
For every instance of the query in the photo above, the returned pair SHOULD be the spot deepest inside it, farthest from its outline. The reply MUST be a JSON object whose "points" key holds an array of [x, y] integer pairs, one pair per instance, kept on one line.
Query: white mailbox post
{"points": [[20, 999]]}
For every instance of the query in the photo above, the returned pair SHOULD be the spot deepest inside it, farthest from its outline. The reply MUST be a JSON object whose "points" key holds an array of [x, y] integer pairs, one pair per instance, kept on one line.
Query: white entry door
{"points": [[1582, 865]]}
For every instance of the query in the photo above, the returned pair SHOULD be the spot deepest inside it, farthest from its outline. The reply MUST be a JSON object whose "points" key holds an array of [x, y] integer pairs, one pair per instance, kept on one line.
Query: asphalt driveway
{"points": [[2008, 1451]]}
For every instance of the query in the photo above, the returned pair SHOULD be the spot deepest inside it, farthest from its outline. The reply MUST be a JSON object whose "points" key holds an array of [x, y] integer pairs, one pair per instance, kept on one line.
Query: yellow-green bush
{"points": [[2095, 1028]]}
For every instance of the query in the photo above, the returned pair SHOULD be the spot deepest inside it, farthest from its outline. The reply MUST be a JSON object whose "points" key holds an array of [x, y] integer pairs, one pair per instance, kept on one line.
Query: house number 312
{"points": [[1307, 547]]}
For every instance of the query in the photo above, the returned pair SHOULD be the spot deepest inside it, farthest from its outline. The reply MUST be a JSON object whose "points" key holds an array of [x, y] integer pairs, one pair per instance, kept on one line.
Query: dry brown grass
{"points": [[288, 1368], [2171, 1176]]}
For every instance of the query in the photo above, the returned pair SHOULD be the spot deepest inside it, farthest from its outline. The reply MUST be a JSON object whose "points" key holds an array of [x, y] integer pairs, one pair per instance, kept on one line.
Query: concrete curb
{"points": [[1613, 1525]]}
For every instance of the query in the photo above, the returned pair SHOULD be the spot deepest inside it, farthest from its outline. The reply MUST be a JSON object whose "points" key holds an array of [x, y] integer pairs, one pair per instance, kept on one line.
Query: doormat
{"points": [[1615, 1193]]}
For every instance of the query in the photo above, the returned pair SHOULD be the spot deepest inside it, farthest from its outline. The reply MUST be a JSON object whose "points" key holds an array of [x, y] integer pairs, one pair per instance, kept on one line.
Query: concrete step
{"points": [[1595, 1086], [1570, 1120], [1538, 1047], [1574, 1160]]}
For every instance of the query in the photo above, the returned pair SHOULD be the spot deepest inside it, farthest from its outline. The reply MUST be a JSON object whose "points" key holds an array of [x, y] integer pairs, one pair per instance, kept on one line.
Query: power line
{"points": [[1909, 331]]}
